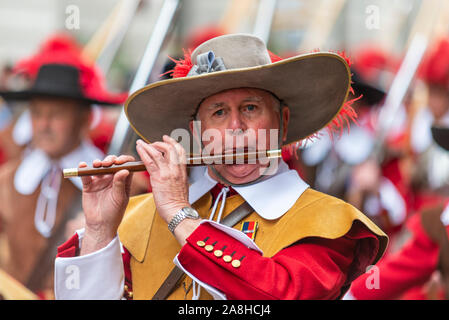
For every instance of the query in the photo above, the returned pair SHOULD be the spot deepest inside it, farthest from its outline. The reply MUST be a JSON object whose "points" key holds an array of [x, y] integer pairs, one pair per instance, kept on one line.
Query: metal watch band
{"points": [[176, 220], [181, 215]]}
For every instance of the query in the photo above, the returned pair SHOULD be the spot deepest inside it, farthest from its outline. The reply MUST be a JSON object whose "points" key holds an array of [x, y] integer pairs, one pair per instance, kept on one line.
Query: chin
{"points": [[53, 154], [51, 151], [240, 173]]}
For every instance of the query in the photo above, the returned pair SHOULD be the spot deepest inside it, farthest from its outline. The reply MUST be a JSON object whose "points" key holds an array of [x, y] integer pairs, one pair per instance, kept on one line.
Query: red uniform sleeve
{"points": [[70, 249], [313, 268], [410, 267]]}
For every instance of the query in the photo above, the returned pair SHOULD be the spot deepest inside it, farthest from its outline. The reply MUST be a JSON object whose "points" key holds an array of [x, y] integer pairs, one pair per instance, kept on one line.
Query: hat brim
{"points": [[25, 95], [314, 86], [441, 136]]}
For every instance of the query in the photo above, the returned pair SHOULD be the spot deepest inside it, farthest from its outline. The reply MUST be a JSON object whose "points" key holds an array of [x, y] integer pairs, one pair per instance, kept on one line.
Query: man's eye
{"points": [[250, 107], [219, 112]]}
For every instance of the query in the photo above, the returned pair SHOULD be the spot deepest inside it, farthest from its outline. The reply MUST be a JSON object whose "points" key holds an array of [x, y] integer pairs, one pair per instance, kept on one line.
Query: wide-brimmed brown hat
{"points": [[314, 86]]}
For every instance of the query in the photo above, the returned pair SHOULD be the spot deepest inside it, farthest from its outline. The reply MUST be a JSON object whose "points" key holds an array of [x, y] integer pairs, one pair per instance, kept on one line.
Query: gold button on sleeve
{"points": [[236, 263], [200, 243]]}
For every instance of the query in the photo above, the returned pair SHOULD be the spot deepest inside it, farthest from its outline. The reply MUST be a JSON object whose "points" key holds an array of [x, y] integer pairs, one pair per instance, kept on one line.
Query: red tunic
{"points": [[409, 268], [313, 268]]}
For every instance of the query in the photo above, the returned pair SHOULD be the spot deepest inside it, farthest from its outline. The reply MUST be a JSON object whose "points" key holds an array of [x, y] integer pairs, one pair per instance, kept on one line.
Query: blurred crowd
{"points": [[56, 111]]}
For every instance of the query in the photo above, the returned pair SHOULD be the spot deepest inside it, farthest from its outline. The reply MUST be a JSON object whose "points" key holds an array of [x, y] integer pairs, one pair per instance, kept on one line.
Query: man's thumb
{"points": [[119, 184]]}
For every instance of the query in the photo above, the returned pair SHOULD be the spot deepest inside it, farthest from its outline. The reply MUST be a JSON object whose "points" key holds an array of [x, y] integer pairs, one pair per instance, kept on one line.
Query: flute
{"points": [[134, 166]]}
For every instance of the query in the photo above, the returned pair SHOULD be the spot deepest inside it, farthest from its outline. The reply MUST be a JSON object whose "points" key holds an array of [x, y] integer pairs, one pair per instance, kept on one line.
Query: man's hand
{"points": [[166, 163], [104, 202]]}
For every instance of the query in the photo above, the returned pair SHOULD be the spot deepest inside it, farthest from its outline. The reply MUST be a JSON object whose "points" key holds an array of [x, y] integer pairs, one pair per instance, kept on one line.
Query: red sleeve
{"points": [[410, 267], [70, 249], [313, 268]]}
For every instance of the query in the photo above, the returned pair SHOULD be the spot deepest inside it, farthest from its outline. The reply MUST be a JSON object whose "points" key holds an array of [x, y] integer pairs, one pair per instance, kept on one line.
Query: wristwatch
{"points": [[186, 212]]}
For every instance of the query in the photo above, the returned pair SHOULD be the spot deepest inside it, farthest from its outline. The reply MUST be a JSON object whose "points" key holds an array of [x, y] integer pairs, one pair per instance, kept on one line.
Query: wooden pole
{"points": [[124, 136], [321, 24]]}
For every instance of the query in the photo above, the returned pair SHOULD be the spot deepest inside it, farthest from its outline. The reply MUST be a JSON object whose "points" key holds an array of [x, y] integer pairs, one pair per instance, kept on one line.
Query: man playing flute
{"points": [[292, 242]]}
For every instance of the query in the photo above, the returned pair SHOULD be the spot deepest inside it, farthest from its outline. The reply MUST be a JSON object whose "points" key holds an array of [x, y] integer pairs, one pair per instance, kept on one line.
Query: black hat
{"points": [[441, 136], [63, 81], [372, 95]]}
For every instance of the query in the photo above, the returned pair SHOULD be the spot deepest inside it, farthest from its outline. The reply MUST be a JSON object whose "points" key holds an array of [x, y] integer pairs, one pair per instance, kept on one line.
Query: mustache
{"points": [[238, 149], [244, 147], [239, 143]]}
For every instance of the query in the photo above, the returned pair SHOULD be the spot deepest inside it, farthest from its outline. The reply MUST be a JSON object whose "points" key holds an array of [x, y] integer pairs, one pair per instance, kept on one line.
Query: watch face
{"points": [[191, 213]]}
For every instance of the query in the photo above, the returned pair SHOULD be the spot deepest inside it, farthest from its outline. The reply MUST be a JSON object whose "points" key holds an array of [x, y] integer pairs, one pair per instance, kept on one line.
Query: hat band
{"points": [[207, 63]]}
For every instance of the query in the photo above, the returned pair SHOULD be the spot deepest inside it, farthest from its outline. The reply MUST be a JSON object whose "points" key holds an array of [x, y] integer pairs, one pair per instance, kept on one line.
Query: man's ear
{"points": [[285, 113]]}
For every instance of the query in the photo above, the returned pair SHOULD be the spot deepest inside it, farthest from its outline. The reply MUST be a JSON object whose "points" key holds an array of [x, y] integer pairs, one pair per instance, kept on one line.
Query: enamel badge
{"points": [[249, 228]]}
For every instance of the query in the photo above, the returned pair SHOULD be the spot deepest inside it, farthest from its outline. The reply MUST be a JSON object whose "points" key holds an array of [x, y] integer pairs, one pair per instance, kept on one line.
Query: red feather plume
{"points": [[63, 49], [435, 67]]}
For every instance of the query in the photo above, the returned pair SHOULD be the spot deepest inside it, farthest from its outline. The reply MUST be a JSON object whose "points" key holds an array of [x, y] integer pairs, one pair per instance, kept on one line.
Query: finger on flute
{"points": [[133, 166]]}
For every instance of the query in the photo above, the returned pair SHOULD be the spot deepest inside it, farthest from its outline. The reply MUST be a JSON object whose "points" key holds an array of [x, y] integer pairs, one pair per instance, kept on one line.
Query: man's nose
{"points": [[237, 122], [44, 123]]}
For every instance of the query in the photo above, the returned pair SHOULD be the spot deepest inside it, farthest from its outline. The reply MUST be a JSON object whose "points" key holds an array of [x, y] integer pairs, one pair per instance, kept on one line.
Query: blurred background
{"points": [[387, 165], [294, 25]]}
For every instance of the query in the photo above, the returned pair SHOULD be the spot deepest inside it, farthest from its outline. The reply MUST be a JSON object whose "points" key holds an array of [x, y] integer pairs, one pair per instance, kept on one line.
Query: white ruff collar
{"points": [[37, 169], [271, 198], [36, 165]]}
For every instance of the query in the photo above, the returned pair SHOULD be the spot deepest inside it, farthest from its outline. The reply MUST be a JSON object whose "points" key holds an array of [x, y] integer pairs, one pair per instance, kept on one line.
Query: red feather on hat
{"points": [[63, 49], [435, 67], [371, 61]]}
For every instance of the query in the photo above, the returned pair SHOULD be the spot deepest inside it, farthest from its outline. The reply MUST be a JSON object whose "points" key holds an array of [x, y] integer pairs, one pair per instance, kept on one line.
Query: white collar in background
{"points": [[36, 164], [271, 198], [445, 215], [23, 131]]}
